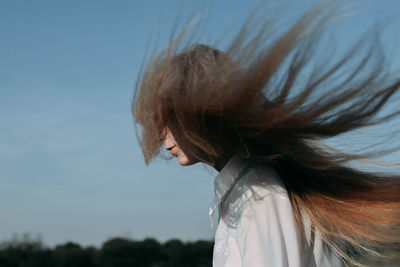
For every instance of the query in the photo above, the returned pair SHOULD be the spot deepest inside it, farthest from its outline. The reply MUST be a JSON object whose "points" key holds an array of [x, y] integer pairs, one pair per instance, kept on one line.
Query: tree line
{"points": [[121, 252], [116, 252]]}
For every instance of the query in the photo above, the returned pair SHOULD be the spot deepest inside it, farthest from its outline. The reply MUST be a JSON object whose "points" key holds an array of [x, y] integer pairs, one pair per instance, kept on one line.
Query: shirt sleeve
{"points": [[271, 237]]}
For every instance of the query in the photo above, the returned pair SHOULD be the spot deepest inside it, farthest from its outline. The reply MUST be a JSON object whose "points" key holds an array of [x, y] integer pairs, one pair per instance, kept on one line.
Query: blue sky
{"points": [[70, 165]]}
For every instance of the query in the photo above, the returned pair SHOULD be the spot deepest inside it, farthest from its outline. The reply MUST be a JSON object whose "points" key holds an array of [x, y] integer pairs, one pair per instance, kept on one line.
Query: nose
{"points": [[168, 141]]}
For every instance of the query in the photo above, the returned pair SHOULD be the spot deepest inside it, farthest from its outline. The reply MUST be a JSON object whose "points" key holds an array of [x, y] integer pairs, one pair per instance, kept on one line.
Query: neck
{"points": [[222, 161]]}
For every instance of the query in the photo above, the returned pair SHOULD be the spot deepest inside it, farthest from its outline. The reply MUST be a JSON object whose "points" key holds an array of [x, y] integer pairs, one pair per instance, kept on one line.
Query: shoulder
{"points": [[258, 215], [260, 188]]}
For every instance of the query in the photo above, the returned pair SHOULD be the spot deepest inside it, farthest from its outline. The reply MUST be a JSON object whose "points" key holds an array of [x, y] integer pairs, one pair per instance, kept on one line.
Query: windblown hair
{"points": [[253, 100]]}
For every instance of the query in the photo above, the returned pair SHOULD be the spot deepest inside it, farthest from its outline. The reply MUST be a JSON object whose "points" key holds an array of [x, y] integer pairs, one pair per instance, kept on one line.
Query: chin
{"points": [[184, 161]]}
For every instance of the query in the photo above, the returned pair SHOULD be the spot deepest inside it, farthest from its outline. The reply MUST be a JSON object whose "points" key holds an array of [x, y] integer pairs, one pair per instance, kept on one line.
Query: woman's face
{"points": [[171, 145]]}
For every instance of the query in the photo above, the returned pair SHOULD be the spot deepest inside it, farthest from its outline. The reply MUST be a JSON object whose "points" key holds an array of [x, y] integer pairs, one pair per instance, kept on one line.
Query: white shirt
{"points": [[257, 227]]}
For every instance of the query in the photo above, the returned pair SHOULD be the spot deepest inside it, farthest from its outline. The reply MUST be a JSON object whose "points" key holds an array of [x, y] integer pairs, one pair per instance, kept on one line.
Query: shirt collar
{"points": [[224, 181]]}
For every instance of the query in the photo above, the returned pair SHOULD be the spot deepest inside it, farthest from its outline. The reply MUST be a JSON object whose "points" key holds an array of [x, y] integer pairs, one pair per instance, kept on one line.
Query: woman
{"points": [[256, 114]]}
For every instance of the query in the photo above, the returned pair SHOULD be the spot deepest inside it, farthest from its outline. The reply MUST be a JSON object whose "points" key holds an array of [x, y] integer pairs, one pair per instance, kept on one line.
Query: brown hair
{"points": [[252, 101]]}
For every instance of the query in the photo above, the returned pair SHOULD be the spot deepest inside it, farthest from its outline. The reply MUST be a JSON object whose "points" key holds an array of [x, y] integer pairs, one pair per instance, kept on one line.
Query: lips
{"points": [[173, 151]]}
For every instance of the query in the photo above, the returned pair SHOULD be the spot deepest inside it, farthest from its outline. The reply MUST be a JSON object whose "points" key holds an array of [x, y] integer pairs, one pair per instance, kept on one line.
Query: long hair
{"points": [[255, 100]]}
